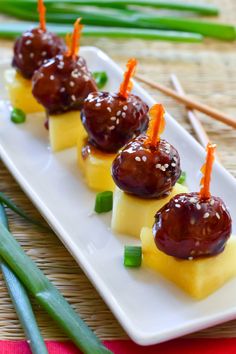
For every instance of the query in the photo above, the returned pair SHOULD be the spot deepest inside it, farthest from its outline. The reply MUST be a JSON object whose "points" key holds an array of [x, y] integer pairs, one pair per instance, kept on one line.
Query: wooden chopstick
{"points": [[189, 102], [193, 119]]}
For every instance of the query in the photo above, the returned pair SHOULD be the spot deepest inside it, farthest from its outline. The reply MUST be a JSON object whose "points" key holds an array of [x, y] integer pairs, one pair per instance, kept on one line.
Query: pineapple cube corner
{"points": [[198, 277], [130, 214]]}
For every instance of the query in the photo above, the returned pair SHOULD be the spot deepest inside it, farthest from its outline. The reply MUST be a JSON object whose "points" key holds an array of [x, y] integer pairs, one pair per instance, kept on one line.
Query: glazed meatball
{"points": [[146, 171], [190, 227], [33, 49], [112, 120]]}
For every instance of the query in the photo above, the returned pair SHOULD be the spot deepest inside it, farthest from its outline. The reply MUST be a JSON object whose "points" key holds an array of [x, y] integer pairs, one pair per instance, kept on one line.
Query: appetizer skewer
{"points": [[61, 85], [145, 171], [33, 48], [188, 241], [110, 120]]}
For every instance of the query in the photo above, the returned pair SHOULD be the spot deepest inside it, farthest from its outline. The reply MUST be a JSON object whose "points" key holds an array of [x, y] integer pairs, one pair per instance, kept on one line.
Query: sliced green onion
{"points": [[47, 295], [11, 205], [182, 178], [18, 116], [21, 301], [132, 256], [103, 202], [101, 78]]}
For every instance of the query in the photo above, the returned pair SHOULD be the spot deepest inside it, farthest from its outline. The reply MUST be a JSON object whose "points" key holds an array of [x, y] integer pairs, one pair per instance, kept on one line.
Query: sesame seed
{"points": [[62, 89], [72, 84], [198, 206], [218, 216], [197, 243], [125, 108], [52, 77], [109, 109], [158, 165], [144, 158], [39, 62], [212, 202], [123, 114], [73, 97], [175, 159], [75, 73], [113, 118], [118, 113], [28, 42], [31, 55], [206, 215], [190, 258], [173, 164], [117, 121], [98, 104], [20, 56], [163, 168], [177, 205], [137, 158], [112, 127], [44, 54], [223, 207], [166, 165], [192, 200]]}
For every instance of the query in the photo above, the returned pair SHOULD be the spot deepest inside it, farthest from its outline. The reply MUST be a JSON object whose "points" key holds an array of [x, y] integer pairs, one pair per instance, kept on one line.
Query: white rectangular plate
{"points": [[150, 308]]}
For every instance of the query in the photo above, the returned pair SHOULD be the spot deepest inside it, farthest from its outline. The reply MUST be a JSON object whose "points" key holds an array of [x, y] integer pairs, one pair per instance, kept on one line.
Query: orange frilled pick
{"points": [[42, 12], [127, 85], [156, 124], [207, 171]]}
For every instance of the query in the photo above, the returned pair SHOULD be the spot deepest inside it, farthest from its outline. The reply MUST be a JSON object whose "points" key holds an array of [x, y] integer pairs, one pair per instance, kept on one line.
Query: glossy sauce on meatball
{"points": [[190, 227], [34, 48], [146, 171], [112, 120], [62, 84]]}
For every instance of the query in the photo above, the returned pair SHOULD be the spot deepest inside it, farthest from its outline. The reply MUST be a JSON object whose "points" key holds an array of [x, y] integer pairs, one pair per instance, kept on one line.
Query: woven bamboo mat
{"points": [[207, 72]]}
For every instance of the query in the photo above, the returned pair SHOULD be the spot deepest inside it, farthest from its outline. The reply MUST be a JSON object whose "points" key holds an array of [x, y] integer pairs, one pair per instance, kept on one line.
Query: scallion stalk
{"points": [[47, 295], [21, 301], [200, 8], [12, 30], [11, 205]]}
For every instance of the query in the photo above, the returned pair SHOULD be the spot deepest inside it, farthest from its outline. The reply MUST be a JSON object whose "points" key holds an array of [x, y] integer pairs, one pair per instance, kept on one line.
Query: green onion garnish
{"points": [[133, 256], [101, 78], [182, 178], [18, 116], [47, 295], [104, 201], [21, 301]]}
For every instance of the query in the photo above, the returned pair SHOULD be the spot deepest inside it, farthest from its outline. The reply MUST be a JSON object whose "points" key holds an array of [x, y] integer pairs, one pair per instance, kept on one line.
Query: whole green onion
{"points": [[47, 295], [201, 8], [12, 30], [11, 205], [18, 116], [21, 302]]}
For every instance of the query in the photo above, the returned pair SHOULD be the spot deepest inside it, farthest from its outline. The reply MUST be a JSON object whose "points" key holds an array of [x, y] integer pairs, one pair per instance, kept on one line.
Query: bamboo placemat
{"points": [[207, 72]]}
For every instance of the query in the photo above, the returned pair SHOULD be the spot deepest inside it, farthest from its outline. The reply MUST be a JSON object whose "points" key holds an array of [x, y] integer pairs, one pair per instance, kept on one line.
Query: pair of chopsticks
{"points": [[191, 105]]}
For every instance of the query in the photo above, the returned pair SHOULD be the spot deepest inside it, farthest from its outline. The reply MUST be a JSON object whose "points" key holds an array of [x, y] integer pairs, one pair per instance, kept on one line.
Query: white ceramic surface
{"points": [[149, 308]]}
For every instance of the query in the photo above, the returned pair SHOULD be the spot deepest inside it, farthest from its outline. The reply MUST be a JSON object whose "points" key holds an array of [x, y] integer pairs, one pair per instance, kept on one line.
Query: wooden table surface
{"points": [[208, 73]]}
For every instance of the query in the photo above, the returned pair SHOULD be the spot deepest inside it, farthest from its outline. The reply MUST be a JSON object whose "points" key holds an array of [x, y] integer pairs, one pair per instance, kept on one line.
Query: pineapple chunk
{"points": [[130, 214], [96, 167], [198, 277], [20, 92], [65, 130]]}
